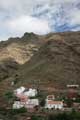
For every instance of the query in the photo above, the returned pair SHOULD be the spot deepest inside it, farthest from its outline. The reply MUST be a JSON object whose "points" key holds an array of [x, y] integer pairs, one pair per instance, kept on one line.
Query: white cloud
{"points": [[75, 17], [28, 24], [16, 16], [76, 29]]}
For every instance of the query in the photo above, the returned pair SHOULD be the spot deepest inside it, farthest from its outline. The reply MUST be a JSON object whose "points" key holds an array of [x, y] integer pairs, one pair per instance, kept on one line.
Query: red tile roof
{"points": [[54, 102]]}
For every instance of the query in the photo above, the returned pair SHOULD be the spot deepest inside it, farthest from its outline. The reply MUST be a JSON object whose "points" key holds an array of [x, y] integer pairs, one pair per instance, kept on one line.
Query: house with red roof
{"points": [[50, 104]]}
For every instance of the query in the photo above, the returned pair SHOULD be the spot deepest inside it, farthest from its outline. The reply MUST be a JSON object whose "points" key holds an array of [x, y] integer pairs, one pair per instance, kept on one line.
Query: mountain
{"points": [[20, 49], [57, 62], [13, 53], [51, 60]]}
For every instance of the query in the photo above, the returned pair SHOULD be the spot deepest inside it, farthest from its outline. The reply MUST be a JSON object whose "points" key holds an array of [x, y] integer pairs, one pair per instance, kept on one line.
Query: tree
{"points": [[9, 95], [42, 103], [69, 102]]}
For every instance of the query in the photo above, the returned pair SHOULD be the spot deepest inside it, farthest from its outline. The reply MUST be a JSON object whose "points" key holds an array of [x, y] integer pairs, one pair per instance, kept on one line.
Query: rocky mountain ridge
{"points": [[52, 59], [20, 49]]}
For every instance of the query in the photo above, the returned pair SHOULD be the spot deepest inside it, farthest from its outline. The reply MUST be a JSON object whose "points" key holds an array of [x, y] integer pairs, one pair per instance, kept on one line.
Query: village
{"points": [[28, 98]]}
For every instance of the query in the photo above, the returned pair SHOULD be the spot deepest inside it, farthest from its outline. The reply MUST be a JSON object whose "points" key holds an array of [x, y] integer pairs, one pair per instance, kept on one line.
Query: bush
{"points": [[17, 111], [9, 95], [42, 103], [69, 102], [37, 118], [65, 116]]}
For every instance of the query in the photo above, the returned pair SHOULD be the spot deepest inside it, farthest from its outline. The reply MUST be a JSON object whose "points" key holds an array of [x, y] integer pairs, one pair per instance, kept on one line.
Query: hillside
{"points": [[57, 63], [52, 60], [20, 49], [13, 53]]}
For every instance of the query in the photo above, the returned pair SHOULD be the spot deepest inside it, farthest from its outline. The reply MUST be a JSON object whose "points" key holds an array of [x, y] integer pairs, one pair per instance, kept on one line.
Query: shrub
{"points": [[42, 103], [9, 95], [17, 111]]}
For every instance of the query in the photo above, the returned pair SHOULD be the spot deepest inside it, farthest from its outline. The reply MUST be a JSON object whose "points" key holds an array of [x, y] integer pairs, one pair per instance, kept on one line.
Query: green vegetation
{"points": [[37, 118], [9, 95], [69, 102], [18, 111], [15, 81], [77, 100], [11, 114], [65, 116], [42, 103]]}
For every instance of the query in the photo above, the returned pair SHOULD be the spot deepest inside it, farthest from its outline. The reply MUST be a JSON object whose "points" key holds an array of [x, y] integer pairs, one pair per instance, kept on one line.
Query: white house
{"points": [[19, 90], [22, 91], [25, 101], [30, 103], [31, 93], [50, 104], [73, 86], [17, 105]]}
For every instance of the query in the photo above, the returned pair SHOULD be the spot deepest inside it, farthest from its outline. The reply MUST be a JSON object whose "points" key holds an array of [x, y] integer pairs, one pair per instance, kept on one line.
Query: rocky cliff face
{"points": [[20, 49]]}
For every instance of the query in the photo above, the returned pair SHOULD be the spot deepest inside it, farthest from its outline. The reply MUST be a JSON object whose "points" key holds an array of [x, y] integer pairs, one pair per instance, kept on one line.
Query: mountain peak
{"points": [[29, 35]]}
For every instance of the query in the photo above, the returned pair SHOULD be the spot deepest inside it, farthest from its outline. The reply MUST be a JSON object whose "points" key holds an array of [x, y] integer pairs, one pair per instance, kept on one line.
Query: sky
{"points": [[38, 16]]}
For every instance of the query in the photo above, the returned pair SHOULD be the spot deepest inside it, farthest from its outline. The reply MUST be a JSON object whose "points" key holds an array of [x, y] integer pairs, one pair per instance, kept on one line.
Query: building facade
{"points": [[50, 104], [29, 104]]}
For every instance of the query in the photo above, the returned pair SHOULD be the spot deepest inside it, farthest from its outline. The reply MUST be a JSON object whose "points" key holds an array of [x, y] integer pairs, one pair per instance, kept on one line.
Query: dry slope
{"points": [[56, 63]]}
